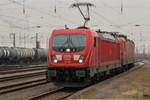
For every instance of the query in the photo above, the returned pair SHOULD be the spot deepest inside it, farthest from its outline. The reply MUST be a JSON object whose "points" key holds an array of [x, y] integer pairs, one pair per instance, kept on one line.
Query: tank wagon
{"points": [[78, 57], [10, 55], [7, 54], [41, 54], [25, 55]]}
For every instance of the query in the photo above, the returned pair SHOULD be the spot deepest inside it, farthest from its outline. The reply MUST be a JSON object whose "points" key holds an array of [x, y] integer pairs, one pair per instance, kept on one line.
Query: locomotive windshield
{"points": [[73, 42]]}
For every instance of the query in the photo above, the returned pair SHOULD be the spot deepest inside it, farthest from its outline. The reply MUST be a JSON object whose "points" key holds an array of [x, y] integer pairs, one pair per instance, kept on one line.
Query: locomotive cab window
{"points": [[69, 42], [94, 41]]}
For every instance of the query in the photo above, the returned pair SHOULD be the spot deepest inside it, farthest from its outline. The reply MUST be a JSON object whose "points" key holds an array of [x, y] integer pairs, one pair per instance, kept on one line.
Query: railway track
{"points": [[21, 78], [22, 70], [57, 94], [22, 85], [18, 67], [21, 75]]}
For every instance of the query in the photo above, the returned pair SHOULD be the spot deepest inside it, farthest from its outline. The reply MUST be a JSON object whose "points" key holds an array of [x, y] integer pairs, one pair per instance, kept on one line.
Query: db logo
{"points": [[67, 57]]}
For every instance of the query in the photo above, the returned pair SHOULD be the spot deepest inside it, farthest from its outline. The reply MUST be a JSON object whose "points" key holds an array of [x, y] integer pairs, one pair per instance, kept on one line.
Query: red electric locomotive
{"points": [[79, 56], [127, 50]]}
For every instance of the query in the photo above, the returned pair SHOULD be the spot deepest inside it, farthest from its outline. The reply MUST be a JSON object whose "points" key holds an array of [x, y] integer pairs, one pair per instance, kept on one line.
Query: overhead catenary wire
{"points": [[111, 8], [46, 13], [16, 19], [38, 10], [122, 7], [103, 17], [135, 20], [119, 26], [110, 23], [122, 16], [13, 22], [19, 3]]}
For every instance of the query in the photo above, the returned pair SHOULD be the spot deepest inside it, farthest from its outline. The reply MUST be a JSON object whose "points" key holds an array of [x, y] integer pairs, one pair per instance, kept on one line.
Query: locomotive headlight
{"points": [[54, 59], [68, 50], [81, 59]]}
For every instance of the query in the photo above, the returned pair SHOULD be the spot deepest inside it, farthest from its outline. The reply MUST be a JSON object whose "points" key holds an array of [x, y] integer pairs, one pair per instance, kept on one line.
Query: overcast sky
{"points": [[106, 15]]}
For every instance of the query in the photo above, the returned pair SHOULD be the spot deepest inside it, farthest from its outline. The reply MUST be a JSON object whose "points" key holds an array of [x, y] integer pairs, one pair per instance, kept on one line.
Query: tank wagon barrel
{"points": [[9, 55]]}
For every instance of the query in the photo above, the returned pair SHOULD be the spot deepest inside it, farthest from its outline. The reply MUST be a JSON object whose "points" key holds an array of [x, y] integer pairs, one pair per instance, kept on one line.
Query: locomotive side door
{"points": [[99, 45], [96, 46]]}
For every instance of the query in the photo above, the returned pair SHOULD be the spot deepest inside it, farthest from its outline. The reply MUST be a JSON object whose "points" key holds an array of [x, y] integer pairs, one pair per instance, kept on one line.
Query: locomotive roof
{"points": [[118, 34], [70, 30]]}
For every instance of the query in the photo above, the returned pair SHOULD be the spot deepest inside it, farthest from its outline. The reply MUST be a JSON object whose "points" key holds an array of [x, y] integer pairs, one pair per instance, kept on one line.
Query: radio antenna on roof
{"points": [[78, 5]]}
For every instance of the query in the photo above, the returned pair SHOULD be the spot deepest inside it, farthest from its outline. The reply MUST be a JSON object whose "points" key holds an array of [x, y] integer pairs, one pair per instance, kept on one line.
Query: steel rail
{"points": [[3, 68], [22, 70], [21, 76], [20, 86], [46, 94]]}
